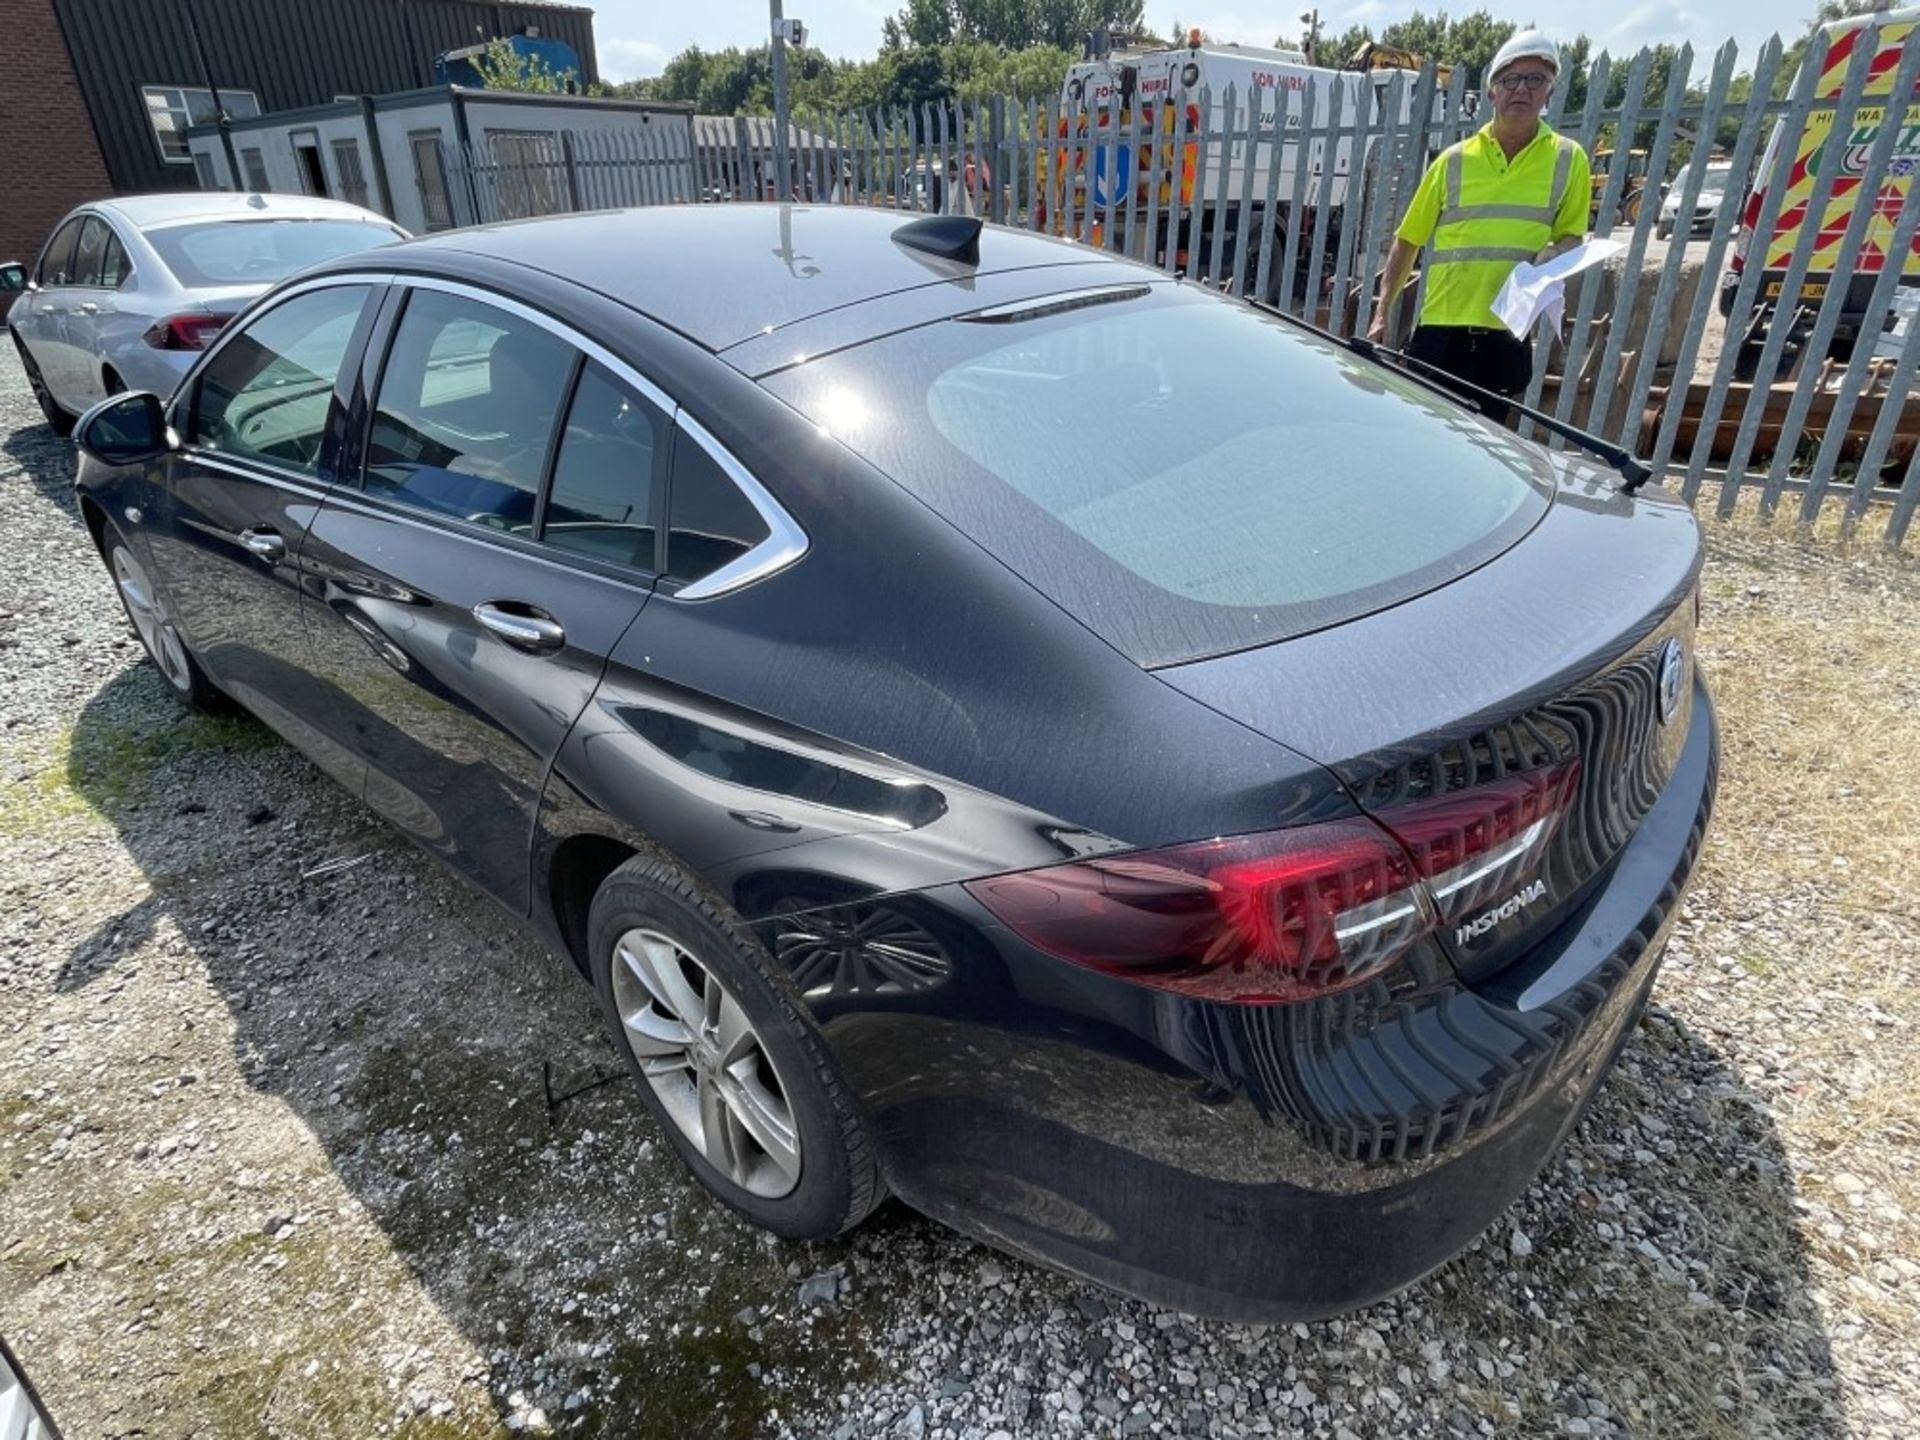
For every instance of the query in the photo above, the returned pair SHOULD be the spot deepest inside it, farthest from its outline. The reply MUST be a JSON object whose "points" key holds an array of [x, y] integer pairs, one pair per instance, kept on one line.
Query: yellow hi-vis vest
{"points": [[1479, 213]]}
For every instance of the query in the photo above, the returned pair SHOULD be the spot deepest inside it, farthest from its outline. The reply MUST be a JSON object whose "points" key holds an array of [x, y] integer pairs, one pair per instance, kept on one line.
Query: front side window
{"points": [[56, 261], [607, 473], [174, 109], [469, 402], [268, 392]]}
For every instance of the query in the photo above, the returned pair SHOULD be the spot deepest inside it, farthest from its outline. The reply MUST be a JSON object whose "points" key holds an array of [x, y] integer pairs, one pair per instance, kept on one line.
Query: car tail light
{"points": [[1473, 846], [1286, 915], [1255, 918], [184, 332]]}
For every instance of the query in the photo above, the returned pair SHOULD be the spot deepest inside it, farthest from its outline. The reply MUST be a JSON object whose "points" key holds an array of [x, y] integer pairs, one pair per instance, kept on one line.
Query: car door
{"points": [[260, 422], [499, 540], [90, 301], [40, 320]]}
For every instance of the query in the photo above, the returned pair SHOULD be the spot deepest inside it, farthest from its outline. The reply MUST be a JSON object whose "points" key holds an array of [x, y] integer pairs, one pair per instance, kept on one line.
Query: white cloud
{"points": [[630, 59]]}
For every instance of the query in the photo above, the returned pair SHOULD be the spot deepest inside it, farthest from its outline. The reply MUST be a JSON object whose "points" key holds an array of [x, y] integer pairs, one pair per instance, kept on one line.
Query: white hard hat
{"points": [[1527, 45]]}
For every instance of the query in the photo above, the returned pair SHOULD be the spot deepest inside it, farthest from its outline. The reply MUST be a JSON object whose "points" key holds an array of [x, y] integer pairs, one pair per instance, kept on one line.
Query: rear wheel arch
{"points": [[579, 866]]}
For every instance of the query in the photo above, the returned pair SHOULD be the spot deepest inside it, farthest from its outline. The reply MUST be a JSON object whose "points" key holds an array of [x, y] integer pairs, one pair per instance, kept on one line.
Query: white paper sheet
{"points": [[1538, 292]]}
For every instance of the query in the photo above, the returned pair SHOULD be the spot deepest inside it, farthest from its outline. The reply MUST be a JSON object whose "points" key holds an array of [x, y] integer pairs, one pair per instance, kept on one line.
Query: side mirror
{"points": [[125, 430], [13, 276]]}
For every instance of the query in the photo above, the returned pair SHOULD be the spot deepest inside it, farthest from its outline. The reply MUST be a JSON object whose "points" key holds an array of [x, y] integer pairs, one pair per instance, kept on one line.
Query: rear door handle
{"points": [[524, 626], [266, 544], [87, 309]]}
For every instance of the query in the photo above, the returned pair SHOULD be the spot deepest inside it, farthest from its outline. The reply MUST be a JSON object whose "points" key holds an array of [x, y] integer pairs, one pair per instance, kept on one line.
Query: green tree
{"points": [[1575, 56], [1339, 49], [922, 23]]}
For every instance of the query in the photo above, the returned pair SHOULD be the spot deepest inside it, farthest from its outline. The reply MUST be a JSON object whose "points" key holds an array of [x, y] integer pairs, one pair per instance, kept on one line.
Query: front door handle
{"points": [[264, 543], [524, 626]]}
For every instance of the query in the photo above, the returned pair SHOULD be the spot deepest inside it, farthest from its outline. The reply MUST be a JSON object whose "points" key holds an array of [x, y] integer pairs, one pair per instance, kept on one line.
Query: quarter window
{"points": [[710, 522], [173, 109], [268, 392], [468, 405], [115, 268], [607, 473]]}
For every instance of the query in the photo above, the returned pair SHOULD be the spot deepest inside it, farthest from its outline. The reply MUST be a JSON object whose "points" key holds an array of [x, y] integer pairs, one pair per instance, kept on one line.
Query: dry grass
{"points": [[1813, 651]]}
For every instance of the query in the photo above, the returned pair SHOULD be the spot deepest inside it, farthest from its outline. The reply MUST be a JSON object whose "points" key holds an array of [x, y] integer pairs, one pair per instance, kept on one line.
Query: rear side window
{"points": [[469, 405], [268, 393], [710, 523], [56, 262], [90, 253], [1185, 476], [606, 478]]}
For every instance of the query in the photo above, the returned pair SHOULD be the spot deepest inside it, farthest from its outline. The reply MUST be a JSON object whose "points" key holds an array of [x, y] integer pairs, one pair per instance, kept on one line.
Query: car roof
{"points": [[723, 274], [180, 207]]}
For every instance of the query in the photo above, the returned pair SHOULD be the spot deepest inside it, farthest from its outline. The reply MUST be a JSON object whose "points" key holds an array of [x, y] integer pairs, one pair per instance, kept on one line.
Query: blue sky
{"points": [[637, 37]]}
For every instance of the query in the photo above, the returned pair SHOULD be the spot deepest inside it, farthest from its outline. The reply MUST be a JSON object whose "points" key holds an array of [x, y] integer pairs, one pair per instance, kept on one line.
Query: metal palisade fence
{"points": [[1772, 359]]}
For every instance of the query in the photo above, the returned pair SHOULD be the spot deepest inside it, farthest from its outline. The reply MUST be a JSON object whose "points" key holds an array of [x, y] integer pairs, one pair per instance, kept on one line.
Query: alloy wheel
{"points": [[706, 1063], [157, 632]]}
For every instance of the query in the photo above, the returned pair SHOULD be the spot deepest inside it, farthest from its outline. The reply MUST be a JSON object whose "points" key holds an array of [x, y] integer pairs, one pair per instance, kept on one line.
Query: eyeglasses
{"points": [[1534, 81]]}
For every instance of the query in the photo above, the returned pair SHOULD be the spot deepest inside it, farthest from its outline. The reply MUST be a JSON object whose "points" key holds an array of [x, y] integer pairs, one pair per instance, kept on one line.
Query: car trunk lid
{"points": [[1550, 691]]}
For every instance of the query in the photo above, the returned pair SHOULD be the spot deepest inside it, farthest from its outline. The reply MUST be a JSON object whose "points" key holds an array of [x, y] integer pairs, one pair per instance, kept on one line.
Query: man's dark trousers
{"points": [[1495, 360]]}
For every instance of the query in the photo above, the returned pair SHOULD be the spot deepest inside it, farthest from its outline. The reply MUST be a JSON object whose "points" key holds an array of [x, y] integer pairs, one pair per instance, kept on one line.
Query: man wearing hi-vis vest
{"points": [[1513, 191]]}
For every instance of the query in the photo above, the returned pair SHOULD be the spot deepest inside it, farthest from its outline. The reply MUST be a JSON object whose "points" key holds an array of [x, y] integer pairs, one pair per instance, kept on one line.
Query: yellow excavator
{"points": [[1632, 190], [1375, 55]]}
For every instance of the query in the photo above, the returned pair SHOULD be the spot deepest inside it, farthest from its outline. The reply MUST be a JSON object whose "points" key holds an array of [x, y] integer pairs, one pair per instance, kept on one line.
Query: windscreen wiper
{"points": [[1633, 473]]}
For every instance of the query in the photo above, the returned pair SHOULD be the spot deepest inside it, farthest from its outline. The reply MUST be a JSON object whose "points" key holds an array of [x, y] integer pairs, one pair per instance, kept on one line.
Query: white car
{"points": [[130, 290], [1713, 189]]}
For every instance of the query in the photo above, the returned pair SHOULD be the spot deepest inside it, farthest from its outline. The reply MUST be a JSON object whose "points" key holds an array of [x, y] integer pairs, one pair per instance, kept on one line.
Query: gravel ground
{"points": [[277, 1155]]}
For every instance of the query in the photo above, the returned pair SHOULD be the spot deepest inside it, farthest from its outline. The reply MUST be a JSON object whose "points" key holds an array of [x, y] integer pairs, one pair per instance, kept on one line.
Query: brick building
{"points": [[99, 94], [49, 158]]}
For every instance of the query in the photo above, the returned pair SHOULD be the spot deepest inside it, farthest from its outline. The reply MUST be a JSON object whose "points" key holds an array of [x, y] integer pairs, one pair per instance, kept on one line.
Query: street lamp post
{"points": [[213, 98], [783, 177]]}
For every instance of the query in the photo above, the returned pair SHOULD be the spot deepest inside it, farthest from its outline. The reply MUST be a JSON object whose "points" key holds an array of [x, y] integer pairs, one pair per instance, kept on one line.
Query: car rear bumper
{"points": [[1263, 1164]]}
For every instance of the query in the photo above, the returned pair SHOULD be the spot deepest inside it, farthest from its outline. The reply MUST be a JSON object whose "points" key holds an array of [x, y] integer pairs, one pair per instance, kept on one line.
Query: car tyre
{"points": [[159, 637], [58, 420], [726, 1058]]}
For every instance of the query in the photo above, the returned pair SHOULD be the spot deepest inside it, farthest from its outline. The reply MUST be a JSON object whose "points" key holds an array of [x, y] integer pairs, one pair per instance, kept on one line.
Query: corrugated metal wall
{"points": [[289, 53]]}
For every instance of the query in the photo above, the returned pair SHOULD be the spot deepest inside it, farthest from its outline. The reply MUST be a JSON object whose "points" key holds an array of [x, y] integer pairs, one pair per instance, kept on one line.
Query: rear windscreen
{"points": [[1184, 475], [256, 252]]}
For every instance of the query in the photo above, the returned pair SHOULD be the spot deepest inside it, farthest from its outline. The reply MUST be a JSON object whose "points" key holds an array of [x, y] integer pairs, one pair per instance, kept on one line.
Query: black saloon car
{"points": [[997, 725]]}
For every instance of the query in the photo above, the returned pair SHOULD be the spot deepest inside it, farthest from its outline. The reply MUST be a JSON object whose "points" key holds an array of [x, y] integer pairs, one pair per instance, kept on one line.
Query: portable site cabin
{"points": [[447, 156]]}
